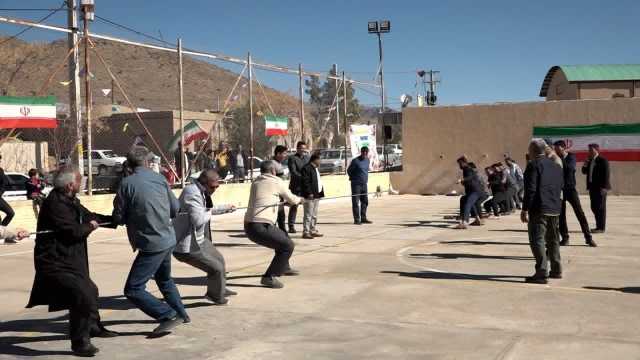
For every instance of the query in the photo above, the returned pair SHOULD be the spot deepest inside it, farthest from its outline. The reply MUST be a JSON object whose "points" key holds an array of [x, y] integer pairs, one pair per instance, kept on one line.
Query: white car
{"points": [[332, 161], [229, 178], [103, 161], [16, 189]]}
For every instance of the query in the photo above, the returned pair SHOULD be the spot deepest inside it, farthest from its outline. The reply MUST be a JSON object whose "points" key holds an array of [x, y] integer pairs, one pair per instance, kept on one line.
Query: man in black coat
{"points": [[570, 195], [312, 192], [597, 170], [541, 208], [4, 205], [296, 163], [62, 278]]}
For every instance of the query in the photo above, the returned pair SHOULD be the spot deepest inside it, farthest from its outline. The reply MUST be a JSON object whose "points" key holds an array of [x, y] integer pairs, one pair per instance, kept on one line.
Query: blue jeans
{"points": [[469, 203], [359, 203], [156, 265]]}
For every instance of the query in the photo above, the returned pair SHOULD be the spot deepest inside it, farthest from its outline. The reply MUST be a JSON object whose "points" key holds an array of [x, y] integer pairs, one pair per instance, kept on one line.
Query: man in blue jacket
{"points": [[541, 208], [145, 204], [358, 172]]}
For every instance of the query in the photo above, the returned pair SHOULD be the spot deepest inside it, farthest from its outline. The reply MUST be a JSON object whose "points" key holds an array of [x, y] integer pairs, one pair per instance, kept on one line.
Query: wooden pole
{"points": [[346, 127], [75, 99], [181, 98], [251, 147], [88, 100], [301, 80], [335, 73]]}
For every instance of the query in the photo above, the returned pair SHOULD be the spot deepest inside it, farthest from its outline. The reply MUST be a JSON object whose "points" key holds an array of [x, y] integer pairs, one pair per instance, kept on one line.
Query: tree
{"points": [[323, 101]]}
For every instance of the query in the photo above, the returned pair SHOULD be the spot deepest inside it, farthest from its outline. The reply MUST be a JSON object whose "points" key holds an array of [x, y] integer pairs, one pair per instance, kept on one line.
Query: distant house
{"points": [[573, 82]]}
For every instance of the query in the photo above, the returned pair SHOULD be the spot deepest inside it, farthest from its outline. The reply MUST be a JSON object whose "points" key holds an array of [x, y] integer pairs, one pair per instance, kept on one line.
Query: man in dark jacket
{"points": [[279, 155], [570, 195], [312, 191], [472, 191], [4, 205], [358, 172], [296, 163], [597, 170], [62, 268], [541, 208]]}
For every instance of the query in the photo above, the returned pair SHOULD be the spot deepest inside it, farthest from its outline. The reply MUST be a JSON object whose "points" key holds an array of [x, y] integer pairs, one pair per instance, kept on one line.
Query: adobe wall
{"points": [[434, 137]]}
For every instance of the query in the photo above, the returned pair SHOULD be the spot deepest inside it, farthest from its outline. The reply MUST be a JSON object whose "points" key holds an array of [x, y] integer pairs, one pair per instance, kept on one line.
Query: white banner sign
{"points": [[364, 135]]}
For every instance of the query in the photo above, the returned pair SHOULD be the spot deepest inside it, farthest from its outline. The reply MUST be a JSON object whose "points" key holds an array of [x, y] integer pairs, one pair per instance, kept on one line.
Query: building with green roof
{"points": [[573, 82]]}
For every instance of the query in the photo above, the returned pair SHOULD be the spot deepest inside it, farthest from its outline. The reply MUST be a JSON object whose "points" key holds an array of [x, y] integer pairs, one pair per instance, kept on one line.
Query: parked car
{"points": [[332, 161], [16, 189], [104, 162], [393, 158], [229, 178]]}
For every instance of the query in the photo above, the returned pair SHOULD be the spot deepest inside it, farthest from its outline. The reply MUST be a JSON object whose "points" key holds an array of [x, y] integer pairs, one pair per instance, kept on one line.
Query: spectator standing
{"points": [[296, 163], [596, 168], [543, 181], [34, 187], [312, 192], [358, 172]]}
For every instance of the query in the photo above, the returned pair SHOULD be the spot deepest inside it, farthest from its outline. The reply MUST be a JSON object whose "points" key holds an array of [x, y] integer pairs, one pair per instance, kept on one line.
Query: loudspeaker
{"points": [[387, 132]]}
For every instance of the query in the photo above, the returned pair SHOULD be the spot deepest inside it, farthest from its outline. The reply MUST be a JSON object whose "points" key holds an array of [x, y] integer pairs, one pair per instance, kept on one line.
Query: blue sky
{"points": [[486, 51]]}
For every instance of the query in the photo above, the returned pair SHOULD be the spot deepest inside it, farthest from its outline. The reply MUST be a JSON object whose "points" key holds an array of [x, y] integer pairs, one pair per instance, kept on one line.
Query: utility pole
{"points": [[431, 95], [75, 100], [382, 97], [88, 9], [335, 72], [181, 97], [346, 129], [113, 95], [250, 114], [301, 88]]}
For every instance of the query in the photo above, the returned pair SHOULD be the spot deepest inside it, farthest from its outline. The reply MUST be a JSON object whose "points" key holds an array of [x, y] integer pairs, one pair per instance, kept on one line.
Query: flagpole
{"points": [[88, 100], [250, 115], [181, 94]]}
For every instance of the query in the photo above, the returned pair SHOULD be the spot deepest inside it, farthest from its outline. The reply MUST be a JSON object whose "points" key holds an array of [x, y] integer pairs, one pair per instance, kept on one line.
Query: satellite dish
{"points": [[405, 100]]}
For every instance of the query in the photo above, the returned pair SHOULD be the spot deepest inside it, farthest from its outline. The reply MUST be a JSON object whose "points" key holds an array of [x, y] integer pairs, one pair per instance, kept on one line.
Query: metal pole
{"points": [[88, 100], [346, 128], [301, 80], [75, 99], [250, 68], [382, 98], [181, 97], [335, 72]]}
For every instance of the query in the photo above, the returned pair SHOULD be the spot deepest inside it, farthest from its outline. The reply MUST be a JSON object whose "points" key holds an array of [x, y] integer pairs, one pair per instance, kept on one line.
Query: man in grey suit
{"points": [[193, 234]]}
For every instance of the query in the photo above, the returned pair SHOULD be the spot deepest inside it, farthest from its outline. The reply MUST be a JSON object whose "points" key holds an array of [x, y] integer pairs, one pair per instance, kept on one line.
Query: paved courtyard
{"points": [[406, 287]]}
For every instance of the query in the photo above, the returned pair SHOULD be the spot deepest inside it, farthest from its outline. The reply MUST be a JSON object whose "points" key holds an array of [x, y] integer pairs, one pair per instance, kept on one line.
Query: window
{"points": [[95, 155]]}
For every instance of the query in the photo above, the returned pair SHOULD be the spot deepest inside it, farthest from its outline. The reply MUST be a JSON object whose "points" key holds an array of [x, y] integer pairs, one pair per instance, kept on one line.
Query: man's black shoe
{"points": [[564, 242], [104, 333], [85, 350], [536, 280], [597, 231], [219, 302], [228, 292], [555, 275], [292, 230], [271, 282], [166, 326], [591, 243], [357, 222], [367, 221]]}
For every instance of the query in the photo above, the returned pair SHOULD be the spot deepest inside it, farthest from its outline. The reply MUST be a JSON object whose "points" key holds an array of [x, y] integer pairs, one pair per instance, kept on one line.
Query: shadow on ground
{"points": [[470, 256], [427, 223], [456, 276], [628, 290]]}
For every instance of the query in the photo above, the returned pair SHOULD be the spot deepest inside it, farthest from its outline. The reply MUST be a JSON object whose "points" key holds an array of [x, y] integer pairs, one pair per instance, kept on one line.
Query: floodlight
{"points": [[385, 26], [373, 27]]}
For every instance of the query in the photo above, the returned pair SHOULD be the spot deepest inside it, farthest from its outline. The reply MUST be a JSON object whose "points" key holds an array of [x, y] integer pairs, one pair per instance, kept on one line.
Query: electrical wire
{"points": [[31, 27], [137, 32]]}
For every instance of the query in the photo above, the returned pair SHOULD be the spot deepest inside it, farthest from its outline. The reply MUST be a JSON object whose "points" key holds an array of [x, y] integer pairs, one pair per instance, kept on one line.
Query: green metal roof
{"points": [[580, 73]]}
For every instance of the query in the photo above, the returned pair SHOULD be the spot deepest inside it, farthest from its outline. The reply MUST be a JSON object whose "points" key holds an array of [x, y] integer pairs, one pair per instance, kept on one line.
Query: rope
{"points": [[264, 94], [377, 193]]}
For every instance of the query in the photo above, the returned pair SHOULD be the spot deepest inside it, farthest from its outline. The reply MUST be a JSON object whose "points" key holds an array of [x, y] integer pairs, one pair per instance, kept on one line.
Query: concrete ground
{"points": [[406, 287]]}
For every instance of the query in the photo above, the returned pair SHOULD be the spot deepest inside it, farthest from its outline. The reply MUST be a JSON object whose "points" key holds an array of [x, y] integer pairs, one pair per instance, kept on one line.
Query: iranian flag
{"points": [[192, 132], [618, 142], [276, 125], [22, 112]]}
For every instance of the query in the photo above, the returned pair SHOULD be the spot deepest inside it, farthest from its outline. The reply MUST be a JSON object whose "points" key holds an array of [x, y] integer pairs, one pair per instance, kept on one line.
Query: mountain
{"points": [[149, 77]]}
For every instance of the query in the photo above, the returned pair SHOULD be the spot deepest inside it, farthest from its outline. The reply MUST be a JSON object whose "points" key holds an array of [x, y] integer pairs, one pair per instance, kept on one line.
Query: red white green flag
{"points": [[27, 112], [618, 142], [192, 132], [276, 125]]}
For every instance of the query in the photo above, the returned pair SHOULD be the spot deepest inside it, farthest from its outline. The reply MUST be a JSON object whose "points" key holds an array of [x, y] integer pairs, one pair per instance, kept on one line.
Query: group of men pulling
{"points": [[160, 226], [547, 185]]}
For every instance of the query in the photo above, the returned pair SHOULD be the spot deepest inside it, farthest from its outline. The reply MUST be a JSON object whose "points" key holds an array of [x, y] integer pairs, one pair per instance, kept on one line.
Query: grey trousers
{"points": [[544, 239], [310, 216], [211, 261]]}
